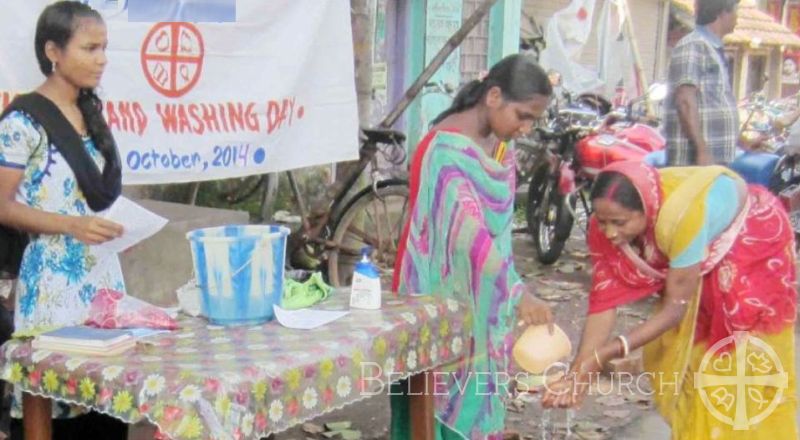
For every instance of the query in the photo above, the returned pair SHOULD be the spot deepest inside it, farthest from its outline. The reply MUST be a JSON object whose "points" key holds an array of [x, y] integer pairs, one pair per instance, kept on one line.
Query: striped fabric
{"points": [[459, 246]]}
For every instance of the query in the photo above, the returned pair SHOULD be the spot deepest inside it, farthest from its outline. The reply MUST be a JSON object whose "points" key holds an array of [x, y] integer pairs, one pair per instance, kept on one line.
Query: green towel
{"points": [[298, 295]]}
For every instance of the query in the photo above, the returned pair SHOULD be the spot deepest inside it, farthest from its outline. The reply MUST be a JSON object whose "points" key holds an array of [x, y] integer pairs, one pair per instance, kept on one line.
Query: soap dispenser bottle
{"points": [[366, 289]]}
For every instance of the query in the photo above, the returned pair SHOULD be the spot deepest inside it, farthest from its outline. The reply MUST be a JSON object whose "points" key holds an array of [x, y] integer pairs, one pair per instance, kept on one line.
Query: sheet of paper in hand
{"points": [[137, 222]]}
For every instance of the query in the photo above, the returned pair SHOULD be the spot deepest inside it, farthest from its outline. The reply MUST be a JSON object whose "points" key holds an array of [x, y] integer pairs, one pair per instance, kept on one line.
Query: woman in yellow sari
{"points": [[719, 350]]}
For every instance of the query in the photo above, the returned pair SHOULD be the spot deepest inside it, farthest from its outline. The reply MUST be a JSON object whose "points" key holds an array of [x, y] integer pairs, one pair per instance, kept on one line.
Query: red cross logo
{"points": [[172, 58]]}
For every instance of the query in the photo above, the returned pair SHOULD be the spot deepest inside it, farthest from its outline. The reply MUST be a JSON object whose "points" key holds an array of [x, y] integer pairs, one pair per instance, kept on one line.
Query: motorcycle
{"points": [[574, 155], [778, 173], [774, 163], [565, 110]]}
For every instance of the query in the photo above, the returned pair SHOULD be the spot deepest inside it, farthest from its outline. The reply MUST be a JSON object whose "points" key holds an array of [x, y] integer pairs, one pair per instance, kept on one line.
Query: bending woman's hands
{"points": [[571, 390], [93, 230], [534, 311]]}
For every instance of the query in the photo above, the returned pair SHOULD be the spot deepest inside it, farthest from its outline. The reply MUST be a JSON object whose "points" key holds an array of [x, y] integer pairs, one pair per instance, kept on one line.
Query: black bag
{"points": [[12, 243]]}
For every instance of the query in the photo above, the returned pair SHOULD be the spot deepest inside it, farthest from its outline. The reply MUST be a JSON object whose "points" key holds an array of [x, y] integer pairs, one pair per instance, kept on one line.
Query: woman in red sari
{"points": [[720, 348]]}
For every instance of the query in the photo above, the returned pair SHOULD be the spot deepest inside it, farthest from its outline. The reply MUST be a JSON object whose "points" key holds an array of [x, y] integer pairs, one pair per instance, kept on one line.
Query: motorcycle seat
{"points": [[383, 135], [755, 167], [657, 159]]}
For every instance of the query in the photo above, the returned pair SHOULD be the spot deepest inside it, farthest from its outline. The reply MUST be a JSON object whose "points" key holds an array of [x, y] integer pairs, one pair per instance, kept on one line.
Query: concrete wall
{"points": [[156, 267]]}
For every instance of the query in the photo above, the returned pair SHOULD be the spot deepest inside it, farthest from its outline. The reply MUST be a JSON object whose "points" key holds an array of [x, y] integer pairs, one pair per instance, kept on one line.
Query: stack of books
{"points": [[86, 340]]}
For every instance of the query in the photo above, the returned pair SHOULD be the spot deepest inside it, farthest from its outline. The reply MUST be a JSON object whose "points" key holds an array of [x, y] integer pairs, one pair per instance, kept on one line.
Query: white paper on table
{"points": [[137, 222], [306, 319]]}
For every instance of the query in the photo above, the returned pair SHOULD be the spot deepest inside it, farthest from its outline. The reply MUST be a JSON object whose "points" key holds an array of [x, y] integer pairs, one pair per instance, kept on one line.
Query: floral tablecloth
{"points": [[206, 381]]}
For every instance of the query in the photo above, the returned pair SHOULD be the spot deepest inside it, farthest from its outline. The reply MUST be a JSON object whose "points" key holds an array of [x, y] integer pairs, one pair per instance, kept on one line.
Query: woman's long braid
{"points": [[92, 110]]}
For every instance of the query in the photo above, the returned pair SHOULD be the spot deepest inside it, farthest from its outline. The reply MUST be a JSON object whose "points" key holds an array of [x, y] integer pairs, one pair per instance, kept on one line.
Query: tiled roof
{"points": [[753, 27]]}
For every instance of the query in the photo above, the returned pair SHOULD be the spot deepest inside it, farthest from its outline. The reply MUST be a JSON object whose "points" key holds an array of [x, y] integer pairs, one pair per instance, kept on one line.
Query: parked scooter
{"points": [[575, 155]]}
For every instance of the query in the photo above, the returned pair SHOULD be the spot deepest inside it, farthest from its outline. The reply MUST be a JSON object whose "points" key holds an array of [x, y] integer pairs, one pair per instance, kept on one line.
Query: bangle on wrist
{"points": [[597, 359], [626, 348]]}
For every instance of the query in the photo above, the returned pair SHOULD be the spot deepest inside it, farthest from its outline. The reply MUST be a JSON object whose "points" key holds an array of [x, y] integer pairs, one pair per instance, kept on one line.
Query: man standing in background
{"points": [[701, 122]]}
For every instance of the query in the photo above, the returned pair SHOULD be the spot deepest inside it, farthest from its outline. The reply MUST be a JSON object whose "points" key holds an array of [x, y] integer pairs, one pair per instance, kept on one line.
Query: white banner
{"points": [[209, 89]]}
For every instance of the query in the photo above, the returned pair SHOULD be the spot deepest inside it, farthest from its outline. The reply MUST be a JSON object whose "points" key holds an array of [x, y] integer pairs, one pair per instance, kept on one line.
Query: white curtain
{"points": [[615, 64], [566, 34]]}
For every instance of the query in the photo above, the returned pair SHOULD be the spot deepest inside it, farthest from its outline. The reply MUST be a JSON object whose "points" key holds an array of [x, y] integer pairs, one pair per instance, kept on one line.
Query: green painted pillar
{"points": [[414, 67], [430, 25], [504, 28], [442, 19]]}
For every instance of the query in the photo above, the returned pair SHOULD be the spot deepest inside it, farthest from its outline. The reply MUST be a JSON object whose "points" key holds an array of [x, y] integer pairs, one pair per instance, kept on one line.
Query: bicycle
{"points": [[374, 216], [347, 222]]}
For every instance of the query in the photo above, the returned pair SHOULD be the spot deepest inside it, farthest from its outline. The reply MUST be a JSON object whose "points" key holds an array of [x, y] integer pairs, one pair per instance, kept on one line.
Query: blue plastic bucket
{"points": [[239, 269]]}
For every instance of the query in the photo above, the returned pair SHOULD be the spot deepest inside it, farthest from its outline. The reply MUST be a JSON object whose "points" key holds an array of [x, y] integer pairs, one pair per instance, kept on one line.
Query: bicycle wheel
{"points": [[371, 218]]}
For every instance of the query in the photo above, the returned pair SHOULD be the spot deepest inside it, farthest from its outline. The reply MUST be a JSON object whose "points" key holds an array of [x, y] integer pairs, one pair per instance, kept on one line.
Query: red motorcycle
{"points": [[574, 155]]}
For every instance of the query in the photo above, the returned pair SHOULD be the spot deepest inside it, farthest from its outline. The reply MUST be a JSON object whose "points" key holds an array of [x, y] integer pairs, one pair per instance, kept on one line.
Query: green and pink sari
{"points": [[457, 244]]}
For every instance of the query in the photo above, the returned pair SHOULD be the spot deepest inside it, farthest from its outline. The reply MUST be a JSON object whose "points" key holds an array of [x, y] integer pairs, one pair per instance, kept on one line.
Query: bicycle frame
{"points": [[313, 233]]}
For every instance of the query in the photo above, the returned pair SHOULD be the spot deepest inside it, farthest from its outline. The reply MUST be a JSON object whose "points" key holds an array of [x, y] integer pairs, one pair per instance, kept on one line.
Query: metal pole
{"points": [[637, 58]]}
